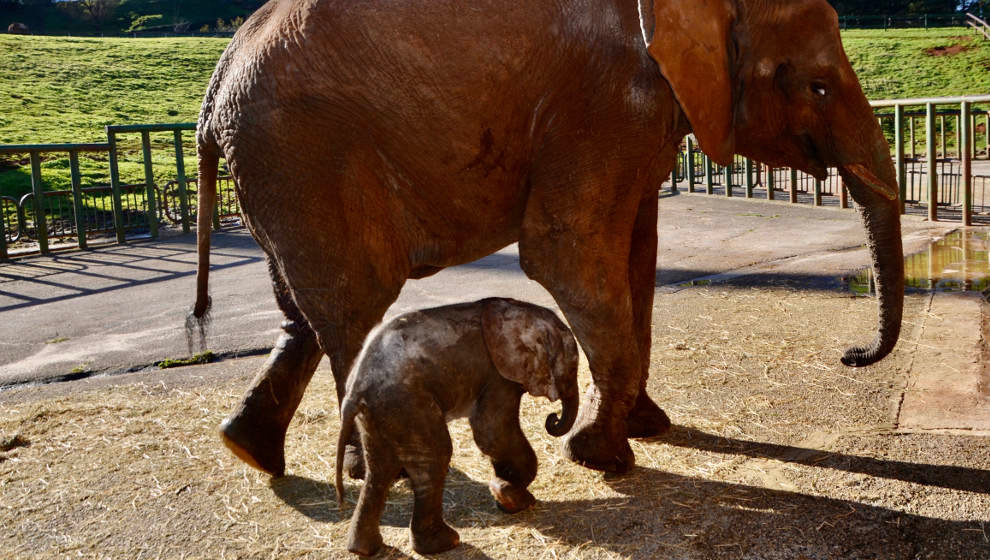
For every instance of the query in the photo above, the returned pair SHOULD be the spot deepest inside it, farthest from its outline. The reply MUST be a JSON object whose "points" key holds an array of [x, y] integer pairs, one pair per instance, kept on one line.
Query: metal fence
{"points": [[955, 135], [111, 212], [926, 21]]}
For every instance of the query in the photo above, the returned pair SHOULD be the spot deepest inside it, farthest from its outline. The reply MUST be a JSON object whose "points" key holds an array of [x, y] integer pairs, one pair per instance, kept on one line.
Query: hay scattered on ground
{"points": [[777, 452]]}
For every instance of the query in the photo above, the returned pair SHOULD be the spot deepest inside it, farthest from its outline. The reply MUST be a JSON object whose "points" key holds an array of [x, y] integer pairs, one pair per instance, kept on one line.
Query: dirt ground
{"points": [[778, 452]]}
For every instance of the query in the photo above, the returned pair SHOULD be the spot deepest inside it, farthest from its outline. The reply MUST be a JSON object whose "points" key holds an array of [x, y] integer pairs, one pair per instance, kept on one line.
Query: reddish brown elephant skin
{"points": [[377, 141]]}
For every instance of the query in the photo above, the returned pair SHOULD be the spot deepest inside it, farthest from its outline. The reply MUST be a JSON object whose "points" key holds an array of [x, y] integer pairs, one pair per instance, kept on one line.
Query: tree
{"points": [[97, 11]]}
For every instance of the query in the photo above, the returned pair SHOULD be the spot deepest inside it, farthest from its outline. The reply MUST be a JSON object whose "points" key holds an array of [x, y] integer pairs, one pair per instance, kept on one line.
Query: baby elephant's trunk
{"points": [[560, 426]]}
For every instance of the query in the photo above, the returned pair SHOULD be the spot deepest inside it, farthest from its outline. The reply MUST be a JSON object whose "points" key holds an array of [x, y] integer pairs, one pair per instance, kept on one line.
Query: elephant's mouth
{"points": [[815, 165]]}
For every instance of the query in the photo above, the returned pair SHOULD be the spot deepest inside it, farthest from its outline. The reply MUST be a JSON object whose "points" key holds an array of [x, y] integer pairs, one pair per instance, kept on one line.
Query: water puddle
{"points": [[959, 262]]}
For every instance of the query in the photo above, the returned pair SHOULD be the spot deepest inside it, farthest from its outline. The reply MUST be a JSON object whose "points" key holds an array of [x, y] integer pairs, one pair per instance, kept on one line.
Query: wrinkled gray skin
{"points": [[425, 368], [382, 140]]}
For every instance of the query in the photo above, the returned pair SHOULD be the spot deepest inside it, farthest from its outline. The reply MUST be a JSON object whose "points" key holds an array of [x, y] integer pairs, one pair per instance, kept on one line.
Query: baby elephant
{"points": [[427, 367]]}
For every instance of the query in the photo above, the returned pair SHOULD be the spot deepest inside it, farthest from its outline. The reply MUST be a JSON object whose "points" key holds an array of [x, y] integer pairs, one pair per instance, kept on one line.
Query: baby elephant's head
{"points": [[531, 346]]}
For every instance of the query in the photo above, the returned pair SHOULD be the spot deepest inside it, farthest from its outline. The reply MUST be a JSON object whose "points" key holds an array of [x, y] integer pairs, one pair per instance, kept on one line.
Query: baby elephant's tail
{"points": [[348, 411]]}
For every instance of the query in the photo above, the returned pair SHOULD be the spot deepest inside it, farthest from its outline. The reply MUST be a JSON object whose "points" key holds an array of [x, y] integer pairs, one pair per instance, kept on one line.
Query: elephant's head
{"points": [[531, 346], [769, 79]]}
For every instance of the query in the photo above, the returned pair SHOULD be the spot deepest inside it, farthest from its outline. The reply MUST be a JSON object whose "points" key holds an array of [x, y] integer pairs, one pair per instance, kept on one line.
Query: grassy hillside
{"points": [[55, 90], [67, 89], [903, 63]]}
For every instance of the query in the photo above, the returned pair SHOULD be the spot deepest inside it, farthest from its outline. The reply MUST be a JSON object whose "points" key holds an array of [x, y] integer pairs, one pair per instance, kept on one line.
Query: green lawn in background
{"points": [[58, 89]]}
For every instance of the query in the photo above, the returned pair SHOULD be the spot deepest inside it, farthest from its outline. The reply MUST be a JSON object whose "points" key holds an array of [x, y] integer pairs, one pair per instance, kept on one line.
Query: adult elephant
{"points": [[377, 141]]}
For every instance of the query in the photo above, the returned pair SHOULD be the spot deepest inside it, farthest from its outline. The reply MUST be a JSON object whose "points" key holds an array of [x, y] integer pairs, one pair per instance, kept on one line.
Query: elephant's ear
{"points": [[518, 342], [690, 41]]}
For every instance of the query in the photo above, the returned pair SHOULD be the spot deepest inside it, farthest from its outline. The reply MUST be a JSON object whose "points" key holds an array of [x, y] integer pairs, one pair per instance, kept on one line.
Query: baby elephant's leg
{"points": [[364, 536], [426, 460], [495, 423]]}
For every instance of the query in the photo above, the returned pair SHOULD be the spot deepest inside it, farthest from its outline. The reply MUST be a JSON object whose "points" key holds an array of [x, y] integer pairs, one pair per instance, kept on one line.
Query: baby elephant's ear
{"points": [[518, 342]]}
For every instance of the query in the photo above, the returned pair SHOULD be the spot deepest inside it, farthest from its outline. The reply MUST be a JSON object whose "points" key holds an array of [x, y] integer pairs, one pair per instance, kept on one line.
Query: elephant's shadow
{"points": [[317, 499], [651, 513]]}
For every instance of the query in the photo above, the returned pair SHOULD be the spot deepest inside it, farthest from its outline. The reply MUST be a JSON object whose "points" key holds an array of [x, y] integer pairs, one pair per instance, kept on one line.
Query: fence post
{"points": [[149, 184], [749, 178], [118, 212], [180, 170], [40, 223], [3, 233], [914, 153], [690, 164], [770, 185], [959, 137], [673, 172], [941, 132], [709, 179], [972, 128], [932, 163], [986, 135], [728, 176], [77, 206], [793, 186], [898, 154], [967, 166]]}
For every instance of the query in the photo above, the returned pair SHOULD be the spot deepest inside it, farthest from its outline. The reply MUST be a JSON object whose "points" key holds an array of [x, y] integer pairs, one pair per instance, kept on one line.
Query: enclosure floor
{"points": [[777, 450]]}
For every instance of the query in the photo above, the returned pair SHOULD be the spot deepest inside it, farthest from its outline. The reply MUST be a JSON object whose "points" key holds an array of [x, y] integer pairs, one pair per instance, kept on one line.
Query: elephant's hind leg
{"points": [[255, 431], [364, 536], [427, 473]]}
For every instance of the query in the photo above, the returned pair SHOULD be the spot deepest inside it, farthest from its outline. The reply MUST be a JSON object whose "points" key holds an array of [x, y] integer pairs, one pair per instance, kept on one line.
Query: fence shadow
{"points": [[40, 280]]}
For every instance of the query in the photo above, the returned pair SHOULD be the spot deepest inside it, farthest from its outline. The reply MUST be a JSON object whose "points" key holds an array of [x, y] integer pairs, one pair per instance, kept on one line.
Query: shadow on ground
{"points": [[106, 269], [656, 514]]}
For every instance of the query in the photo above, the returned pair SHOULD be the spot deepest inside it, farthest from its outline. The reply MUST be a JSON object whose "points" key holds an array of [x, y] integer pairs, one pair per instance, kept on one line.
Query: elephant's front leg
{"points": [[495, 425], [646, 419], [585, 266]]}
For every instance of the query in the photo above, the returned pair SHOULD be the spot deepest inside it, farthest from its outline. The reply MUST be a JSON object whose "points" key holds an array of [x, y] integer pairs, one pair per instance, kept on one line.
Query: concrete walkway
{"points": [[123, 307]]}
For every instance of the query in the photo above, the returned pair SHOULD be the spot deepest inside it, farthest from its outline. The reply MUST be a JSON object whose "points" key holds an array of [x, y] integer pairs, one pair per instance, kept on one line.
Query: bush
{"points": [[140, 22]]}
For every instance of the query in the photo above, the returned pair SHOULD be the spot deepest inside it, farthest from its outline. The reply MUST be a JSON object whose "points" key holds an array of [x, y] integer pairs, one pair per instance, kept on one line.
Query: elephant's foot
{"points": [[257, 442], [354, 462], [646, 419], [596, 447], [509, 497], [435, 539], [364, 541]]}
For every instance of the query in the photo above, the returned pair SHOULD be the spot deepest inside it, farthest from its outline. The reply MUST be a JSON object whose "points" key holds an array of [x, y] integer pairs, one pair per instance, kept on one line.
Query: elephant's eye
{"points": [[819, 89]]}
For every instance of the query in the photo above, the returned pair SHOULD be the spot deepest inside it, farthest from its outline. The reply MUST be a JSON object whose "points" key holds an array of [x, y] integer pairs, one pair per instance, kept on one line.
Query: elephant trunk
{"points": [[875, 190], [560, 426]]}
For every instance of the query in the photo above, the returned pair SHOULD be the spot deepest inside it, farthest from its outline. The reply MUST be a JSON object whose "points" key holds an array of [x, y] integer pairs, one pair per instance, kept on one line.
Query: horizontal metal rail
{"points": [[122, 128], [48, 148], [979, 25], [933, 100]]}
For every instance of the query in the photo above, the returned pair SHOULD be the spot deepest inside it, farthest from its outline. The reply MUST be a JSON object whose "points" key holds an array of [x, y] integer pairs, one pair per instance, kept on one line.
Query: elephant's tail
{"points": [[348, 412], [209, 161]]}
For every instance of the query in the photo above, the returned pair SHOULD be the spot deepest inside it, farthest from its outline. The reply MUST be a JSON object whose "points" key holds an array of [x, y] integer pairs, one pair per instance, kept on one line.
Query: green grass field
{"points": [[67, 89]]}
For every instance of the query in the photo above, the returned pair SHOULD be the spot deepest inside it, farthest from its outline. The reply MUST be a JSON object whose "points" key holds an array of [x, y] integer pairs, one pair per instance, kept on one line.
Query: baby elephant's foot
{"points": [[509, 497], [437, 539], [363, 541]]}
